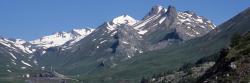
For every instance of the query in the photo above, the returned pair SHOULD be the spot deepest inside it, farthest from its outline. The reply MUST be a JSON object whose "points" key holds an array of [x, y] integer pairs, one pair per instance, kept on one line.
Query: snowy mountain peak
{"points": [[158, 9], [124, 19], [116, 22], [56, 39], [60, 38], [16, 44], [155, 10]]}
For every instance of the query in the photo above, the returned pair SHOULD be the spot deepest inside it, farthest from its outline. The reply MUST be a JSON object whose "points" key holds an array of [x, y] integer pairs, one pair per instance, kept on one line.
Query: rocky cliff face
{"points": [[129, 42]]}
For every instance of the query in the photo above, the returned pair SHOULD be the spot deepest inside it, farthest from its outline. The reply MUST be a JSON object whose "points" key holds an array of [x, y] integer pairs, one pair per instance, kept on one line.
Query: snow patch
{"points": [[140, 24], [124, 19], [8, 45], [212, 26], [188, 23], [113, 33], [102, 41], [9, 71], [27, 75], [142, 32], [43, 52], [203, 27], [159, 8], [19, 44], [111, 27], [12, 55], [197, 33], [13, 62], [125, 42], [25, 63], [140, 51], [161, 20], [43, 68], [199, 20], [23, 67], [233, 65], [190, 34], [35, 62]]}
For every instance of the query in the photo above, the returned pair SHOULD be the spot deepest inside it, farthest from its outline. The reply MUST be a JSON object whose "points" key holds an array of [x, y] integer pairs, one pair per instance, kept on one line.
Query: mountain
{"points": [[16, 51], [122, 39], [162, 27], [158, 29], [177, 56], [15, 59], [30, 47], [18, 56], [57, 39], [125, 49], [60, 38], [17, 44]]}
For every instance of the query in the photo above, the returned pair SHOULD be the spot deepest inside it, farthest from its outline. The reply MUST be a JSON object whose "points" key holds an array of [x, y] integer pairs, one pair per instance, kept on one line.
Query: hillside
{"points": [[175, 56]]}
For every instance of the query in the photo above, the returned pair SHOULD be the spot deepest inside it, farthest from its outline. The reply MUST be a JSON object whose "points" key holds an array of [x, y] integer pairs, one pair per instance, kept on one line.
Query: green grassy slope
{"points": [[233, 65]]}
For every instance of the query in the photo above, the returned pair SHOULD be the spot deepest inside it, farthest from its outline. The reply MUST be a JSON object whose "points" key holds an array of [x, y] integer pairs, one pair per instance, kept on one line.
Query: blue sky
{"points": [[31, 19]]}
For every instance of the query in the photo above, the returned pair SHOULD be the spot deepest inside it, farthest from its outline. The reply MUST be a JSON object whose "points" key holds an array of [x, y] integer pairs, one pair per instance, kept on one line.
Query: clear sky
{"points": [[31, 19]]}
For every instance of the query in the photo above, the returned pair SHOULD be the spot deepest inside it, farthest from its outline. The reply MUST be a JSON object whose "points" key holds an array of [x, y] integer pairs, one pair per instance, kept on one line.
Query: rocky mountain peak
{"points": [[155, 10], [118, 21], [172, 11]]}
